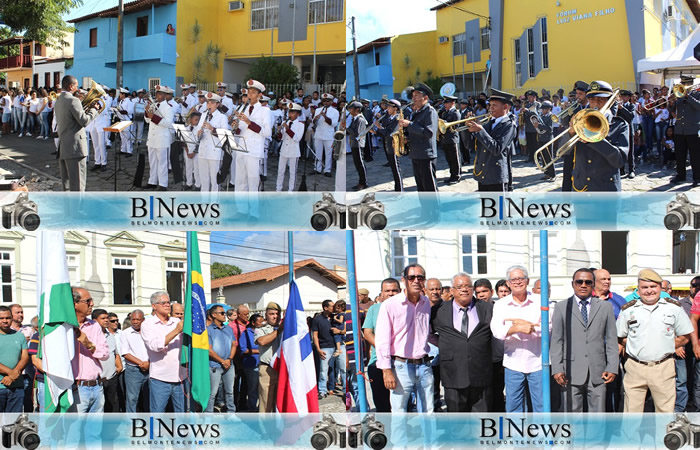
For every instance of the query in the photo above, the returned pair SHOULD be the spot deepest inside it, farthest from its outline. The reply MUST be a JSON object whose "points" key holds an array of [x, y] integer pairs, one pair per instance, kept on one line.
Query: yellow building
{"points": [[517, 45], [246, 30]]}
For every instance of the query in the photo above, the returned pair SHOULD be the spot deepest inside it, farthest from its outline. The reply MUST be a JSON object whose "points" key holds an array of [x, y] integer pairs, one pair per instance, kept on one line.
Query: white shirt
{"points": [[227, 102], [7, 104], [255, 141], [33, 105], [128, 106], [131, 343], [207, 142], [316, 102], [159, 135], [324, 131], [663, 116], [290, 145]]}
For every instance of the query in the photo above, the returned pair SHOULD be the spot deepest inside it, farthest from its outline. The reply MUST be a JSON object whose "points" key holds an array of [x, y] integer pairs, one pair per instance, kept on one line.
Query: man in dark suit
{"points": [[450, 140], [463, 327], [422, 126], [71, 120], [583, 349]]}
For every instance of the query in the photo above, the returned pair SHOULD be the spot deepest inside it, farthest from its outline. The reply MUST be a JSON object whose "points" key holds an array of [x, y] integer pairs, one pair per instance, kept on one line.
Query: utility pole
{"points": [[120, 45], [355, 64]]}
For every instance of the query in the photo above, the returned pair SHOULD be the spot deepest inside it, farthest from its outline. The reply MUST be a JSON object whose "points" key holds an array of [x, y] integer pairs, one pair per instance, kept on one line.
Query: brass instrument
{"points": [[398, 137], [590, 125], [444, 126], [53, 96], [681, 91], [93, 97], [478, 119], [556, 118]]}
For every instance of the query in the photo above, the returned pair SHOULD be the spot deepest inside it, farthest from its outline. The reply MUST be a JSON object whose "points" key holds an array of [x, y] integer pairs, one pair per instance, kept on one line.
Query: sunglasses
{"points": [[114, 321], [414, 277], [586, 282]]}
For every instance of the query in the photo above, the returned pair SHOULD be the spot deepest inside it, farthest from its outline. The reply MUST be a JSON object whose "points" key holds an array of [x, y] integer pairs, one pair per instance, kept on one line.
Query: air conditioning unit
{"points": [[235, 6], [444, 39]]}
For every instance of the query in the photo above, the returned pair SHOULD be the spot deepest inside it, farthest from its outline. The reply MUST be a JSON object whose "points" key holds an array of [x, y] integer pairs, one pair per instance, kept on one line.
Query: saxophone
{"points": [[399, 139]]}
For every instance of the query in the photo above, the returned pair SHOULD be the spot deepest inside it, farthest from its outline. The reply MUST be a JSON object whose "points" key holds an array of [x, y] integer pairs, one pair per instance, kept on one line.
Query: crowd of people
{"points": [[654, 127], [477, 347]]}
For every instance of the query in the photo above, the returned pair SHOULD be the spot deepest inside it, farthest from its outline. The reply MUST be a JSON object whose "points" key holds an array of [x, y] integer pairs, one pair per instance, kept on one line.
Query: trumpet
{"points": [[590, 125], [53, 96], [443, 126], [681, 91], [556, 118]]}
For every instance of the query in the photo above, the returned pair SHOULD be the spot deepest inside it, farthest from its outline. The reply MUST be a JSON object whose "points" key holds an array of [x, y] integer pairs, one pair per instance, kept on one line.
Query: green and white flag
{"points": [[56, 320]]}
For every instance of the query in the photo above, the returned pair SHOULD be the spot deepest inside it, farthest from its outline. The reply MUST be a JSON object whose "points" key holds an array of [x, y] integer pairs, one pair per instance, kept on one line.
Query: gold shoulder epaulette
{"points": [[628, 304], [672, 301]]}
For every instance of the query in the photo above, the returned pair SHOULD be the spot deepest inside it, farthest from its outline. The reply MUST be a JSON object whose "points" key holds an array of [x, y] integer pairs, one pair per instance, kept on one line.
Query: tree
{"points": [[221, 270], [39, 20], [210, 56], [269, 71]]}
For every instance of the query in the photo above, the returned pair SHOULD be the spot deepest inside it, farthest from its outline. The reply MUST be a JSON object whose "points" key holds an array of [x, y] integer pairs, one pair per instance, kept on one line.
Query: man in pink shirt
{"points": [[90, 348], [401, 343], [516, 320], [162, 335]]}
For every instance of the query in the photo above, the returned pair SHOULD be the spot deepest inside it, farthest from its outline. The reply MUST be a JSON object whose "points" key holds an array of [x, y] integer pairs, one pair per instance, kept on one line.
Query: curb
{"points": [[28, 167]]}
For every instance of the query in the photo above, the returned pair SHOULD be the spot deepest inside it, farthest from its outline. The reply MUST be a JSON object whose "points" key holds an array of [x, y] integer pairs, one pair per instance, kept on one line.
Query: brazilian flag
{"points": [[195, 346]]}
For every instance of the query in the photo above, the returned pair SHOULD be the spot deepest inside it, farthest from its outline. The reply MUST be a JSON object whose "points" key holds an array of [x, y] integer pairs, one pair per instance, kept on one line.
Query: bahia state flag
{"points": [[195, 344], [56, 320], [296, 388]]}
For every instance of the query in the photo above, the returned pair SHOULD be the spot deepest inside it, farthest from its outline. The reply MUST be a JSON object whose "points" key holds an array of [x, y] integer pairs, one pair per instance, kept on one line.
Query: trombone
{"points": [[444, 126], [556, 118], [590, 125]]}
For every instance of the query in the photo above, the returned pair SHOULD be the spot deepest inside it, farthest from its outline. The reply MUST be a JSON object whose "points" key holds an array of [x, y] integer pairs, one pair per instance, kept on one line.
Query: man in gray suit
{"points": [[583, 349], [71, 120]]}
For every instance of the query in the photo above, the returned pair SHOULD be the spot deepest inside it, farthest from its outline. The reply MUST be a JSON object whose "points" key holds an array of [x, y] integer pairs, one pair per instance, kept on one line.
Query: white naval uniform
{"points": [[159, 140], [98, 135], [289, 154], [138, 125], [191, 164], [210, 155], [323, 138], [191, 100], [248, 164], [228, 103], [127, 143]]}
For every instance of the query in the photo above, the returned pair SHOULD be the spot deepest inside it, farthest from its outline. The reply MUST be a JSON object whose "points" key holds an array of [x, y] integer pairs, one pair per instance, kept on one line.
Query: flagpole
{"points": [[190, 348], [352, 292], [544, 302], [290, 251]]}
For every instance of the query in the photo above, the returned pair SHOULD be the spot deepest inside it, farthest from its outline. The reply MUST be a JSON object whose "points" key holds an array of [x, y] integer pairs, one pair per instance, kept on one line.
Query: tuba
{"points": [[94, 97], [399, 139]]}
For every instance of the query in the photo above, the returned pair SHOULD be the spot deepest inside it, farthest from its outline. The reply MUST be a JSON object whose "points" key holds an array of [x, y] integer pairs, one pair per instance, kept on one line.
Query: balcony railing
{"points": [[15, 62]]}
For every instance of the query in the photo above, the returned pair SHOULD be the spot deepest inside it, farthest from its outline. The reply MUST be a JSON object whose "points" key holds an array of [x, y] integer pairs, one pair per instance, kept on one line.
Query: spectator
{"points": [[162, 335], [238, 321], [170, 30], [111, 367], [222, 348], [364, 299], [323, 344], [339, 358], [484, 292], [38, 377], [177, 310], [13, 359], [133, 349], [268, 338], [250, 361], [502, 289]]}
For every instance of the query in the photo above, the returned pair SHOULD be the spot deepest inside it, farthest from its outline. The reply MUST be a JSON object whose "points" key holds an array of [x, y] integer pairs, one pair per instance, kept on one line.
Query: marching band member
{"points": [[544, 128], [387, 126], [532, 107], [597, 164], [292, 132], [160, 117], [626, 111], [126, 109], [254, 126], [210, 155], [191, 98], [494, 141], [226, 101], [449, 143], [139, 110], [325, 120], [580, 88], [265, 101], [192, 155], [685, 136], [422, 126], [356, 134], [201, 107]]}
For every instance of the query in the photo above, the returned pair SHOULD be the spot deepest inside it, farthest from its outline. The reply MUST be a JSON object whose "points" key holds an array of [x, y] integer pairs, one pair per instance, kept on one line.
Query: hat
{"points": [[141, 91], [273, 305], [365, 100], [244, 91], [649, 275], [229, 94], [531, 92], [202, 93], [363, 291], [355, 104], [192, 85], [219, 84], [547, 104], [213, 97], [394, 102], [685, 79], [424, 89], [464, 101], [184, 86], [581, 86], [161, 88], [625, 92], [450, 98], [295, 107], [123, 91], [599, 89], [264, 98], [384, 100], [253, 84], [500, 95], [327, 97]]}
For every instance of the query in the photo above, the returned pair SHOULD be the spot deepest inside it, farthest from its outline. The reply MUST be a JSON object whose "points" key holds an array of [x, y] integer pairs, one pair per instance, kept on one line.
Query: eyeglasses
{"points": [[463, 287], [162, 303], [518, 280], [586, 282], [218, 312], [88, 301], [420, 278], [114, 321]]}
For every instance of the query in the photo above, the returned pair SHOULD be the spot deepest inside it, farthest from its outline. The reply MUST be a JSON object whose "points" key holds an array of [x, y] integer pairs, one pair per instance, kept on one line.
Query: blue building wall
{"points": [[149, 56], [375, 80]]}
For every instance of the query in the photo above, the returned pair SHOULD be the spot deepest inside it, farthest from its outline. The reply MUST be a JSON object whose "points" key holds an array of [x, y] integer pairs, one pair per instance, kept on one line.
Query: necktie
{"points": [[584, 311], [250, 110], [209, 116], [465, 321]]}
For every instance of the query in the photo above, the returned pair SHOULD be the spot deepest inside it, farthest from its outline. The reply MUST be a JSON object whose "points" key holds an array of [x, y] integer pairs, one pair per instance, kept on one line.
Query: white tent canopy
{"points": [[676, 60]]}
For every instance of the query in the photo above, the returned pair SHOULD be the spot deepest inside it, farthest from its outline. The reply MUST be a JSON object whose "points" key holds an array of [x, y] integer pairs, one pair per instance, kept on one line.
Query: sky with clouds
{"points": [[375, 19], [255, 250], [91, 6]]}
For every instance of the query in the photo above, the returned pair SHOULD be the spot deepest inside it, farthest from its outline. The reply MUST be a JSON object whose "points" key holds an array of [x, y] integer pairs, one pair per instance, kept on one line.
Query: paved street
{"points": [[526, 177], [32, 158]]}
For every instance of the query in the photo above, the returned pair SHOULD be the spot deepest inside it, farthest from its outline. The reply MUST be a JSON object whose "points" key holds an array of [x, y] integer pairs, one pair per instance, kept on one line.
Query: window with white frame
{"points": [[152, 83], [6, 276], [474, 254], [325, 11], [545, 45], [685, 252], [175, 280], [531, 52], [485, 38], [404, 252], [518, 65], [73, 260], [123, 269], [458, 44], [264, 14], [552, 246]]}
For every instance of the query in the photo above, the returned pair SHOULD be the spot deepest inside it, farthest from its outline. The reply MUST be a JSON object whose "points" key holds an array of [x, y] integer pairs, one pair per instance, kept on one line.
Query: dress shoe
{"points": [[104, 168], [386, 165], [54, 152], [677, 179], [95, 167], [369, 159], [150, 187], [696, 183], [631, 175], [162, 188], [128, 155], [187, 187], [359, 187], [327, 174]]}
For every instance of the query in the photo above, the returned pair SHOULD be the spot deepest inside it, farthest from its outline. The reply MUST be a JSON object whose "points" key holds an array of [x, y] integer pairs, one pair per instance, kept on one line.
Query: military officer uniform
{"points": [[651, 331], [449, 142], [626, 112], [226, 101], [387, 127], [596, 165], [159, 140], [530, 131], [493, 145], [685, 135], [423, 130], [356, 132], [569, 157], [544, 135]]}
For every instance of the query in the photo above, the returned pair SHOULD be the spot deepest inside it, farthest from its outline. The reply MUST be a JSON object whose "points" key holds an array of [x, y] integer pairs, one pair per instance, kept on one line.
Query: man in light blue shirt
{"points": [[222, 348]]}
